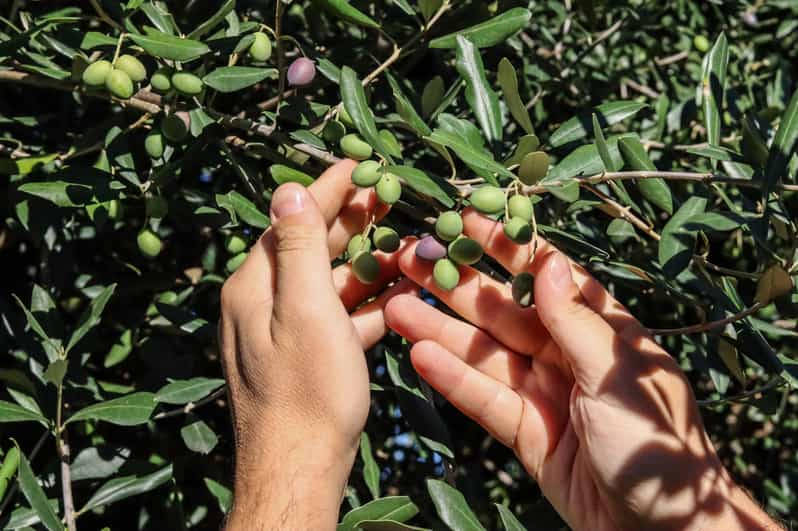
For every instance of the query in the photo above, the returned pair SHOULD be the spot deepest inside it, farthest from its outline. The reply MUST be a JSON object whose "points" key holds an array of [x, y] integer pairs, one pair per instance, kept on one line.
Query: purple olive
{"points": [[301, 72], [430, 248]]}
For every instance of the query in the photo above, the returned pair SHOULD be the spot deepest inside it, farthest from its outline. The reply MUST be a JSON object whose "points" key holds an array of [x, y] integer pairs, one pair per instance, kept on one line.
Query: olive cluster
{"points": [[370, 173], [365, 265]]}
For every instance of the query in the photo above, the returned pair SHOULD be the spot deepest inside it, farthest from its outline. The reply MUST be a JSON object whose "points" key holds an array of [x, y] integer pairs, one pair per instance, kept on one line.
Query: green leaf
{"points": [[480, 96], [783, 145], [424, 184], [620, 229], [432, 95], [127, 486], [371, 471], [25, 517], [91, 317], [245, 209], [93, 39], [580, 126], [285, 174], [354, 100], [713, 83], [56, 371], [233, 78], [509, 521], [526, 145], [214, 20], [488, 33], [223, 495], [601, 146], [567, 191], [585, 160], [714, 153], [508, 81], [60, 193], [397, 508], [452, 507], [198, 436], [167, 46], [185, 391], [10, 412], [344, 10], [120, 350], [34, 323], [25, 165], [388, 525], [656, 190], [406, 110], [676, 244], [715, 221], [160, 17], [98, 462], [476, 158], [35, 495], [129, 410], [572, 242]]}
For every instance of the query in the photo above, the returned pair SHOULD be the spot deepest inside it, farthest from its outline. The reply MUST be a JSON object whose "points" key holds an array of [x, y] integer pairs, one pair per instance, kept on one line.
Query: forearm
{"points": [[741, 513]]}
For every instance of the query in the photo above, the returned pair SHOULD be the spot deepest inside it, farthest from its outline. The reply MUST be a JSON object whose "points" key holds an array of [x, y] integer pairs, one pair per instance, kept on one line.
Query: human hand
{"points": [[595, 410], [293, 355]]}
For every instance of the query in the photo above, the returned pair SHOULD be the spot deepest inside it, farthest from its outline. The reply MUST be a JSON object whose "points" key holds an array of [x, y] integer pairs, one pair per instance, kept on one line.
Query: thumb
{"points": [[303, 276], [588, 342]]}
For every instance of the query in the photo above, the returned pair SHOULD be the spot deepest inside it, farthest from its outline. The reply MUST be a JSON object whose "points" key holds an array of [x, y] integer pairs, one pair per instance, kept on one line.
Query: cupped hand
{"points": [[292, 352], [596, 411]]}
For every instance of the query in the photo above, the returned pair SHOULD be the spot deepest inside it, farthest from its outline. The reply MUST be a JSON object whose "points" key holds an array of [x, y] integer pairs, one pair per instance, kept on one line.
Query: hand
{"points": [[595, 410], [293, 355]]}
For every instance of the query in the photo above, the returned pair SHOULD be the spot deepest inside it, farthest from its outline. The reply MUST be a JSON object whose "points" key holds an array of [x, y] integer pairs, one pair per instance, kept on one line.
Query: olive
{"points": [[161, 80], [358, 244], [175, 127], [187, 83], [386, 239], [132, 67], [153, 143], [235, 243], [449, 226], [155, 206], [519, 206], [465, 251], [367, 173], [365, 267], [389, 189], [523, 289], [445, 274], [333, 131], [429, 248], [301, 72], [518, 230], [488, 199], [701, 43], [533, 167], [119, 84], [261, 47], [95, 73], [355, 147], [149, 243], [234, 262]]}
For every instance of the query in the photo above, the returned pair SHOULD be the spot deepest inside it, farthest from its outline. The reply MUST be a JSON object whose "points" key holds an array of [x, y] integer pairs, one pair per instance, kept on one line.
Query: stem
{"points": [[280, 59], [625, 213], [775, 382], [704, 327], [62, 448], [191, 406], [104, 16], [118, 47]]}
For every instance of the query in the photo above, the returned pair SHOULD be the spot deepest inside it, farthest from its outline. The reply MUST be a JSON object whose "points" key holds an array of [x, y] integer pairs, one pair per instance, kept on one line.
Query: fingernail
{"points": [[560, 271], [287, 200]]}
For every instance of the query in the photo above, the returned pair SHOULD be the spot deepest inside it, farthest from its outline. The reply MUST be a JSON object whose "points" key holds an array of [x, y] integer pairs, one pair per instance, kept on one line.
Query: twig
{"points": [[603, 36], [774, 383], [675, 58], [104, 16], [191, 406], [62, 449], [704, 327], [255, 191], [625, 213]]}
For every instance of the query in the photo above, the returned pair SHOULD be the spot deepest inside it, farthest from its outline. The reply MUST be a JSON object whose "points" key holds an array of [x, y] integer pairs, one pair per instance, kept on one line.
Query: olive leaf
{"points": [[490, 32], [508, 80], [480, 96], [773, 283]]}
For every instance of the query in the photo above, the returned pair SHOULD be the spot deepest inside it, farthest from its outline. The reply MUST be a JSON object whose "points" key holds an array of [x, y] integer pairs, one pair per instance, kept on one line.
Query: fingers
{"points": [[369, 320], [495, 406], [353, 292]]}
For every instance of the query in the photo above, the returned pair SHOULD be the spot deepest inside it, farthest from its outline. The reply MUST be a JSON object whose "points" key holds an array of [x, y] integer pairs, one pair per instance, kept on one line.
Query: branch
{"points": [[191, 406], [625, 213], [704, 327], [62, 449], [774, 383]]}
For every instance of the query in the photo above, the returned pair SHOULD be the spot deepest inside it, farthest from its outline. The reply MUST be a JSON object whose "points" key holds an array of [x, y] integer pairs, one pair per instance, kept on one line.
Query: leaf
{"points": [[127, 486], [581, 126], [167, 46], [343, 10], [10, 412], [490, 32], [406, 110], [214, 20], [185, 391], [783, 145], [479, 95], [35, 495], [354, 100], [129, 410], [476, 158], [526, 145], [25, 165], [98, 462], [371, 471], [424, 184], [91, 317], [620, 229], [56, 371], [93, 39], [285, 174], [509, 521], [773, 283], [727, 353], [60, 193], [120, 350], [232, 78], [198, 436], [656, 190], [677, 241], [572, 242], [25, 517], [714, 153], [508, 81], [398, 508], [245, 209], [223, 495], [387, 525], [452, 507], [585, 160], [713, 83], [601, 146], [715, 221], [432, 95]]}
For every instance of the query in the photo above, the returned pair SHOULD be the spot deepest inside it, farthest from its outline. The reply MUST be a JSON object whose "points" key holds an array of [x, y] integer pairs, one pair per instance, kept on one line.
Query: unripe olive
{"points": [[115, 209], [186, 83], [149, 243], [449, 226], [161, 80], [235, 243], [701, 43], [446, 274], [301, 72], [95, 73], [355, 147], [261, 47], [365, 267], [153, 143], [333, 131], [386, 239], [488, 199], [520, 206], [132, 67], [367, 173], [429, 248], [358, 244], [175, 127], [523, 289], [156, 207], [234, 262], [345, 118], [465, 251], [533, 167], [119, 84], [518, 230], [389, 189]]}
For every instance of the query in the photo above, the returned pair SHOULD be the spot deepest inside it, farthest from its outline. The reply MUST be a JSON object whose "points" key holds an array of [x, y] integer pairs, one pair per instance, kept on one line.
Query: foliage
{"points": [[656, 139]]}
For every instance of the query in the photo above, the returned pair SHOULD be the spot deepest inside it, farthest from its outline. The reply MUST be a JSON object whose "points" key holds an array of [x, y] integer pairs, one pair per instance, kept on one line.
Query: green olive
{"points": [[520, 206], [533, 167], [518, 230], [523, 289], [119, 84], [161, 80], [358, 244], [445, 274], [261, 47], [701, 43], [449, 226], [175, 128], [95, 73], [187, 83], [488, 199], [386, 239], [389, 189], [154, 144], [235, 243], [234, 262], [465, 251], [156, 206], [149, 243], [333, 131], [367, 173], [355, 147], [132, 67], [365, 267]]}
